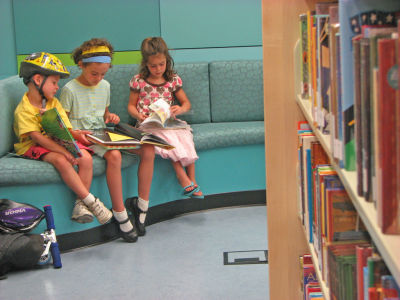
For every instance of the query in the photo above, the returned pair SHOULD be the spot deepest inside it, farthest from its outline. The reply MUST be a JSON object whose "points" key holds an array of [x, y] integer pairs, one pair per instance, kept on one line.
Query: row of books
{"points": [[356, 273], [350, 75], [310, 286], [331, 222]]}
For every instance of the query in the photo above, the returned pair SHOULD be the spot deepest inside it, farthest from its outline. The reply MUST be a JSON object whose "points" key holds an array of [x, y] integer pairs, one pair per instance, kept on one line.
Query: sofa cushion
{"points": [[227, 134], [236, 91], [19, 171], [196, 86]]}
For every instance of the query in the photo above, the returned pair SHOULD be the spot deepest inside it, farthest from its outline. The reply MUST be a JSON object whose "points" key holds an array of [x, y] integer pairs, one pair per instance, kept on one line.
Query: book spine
{"points": [[365, 118], [357, 113], [387, 200]]}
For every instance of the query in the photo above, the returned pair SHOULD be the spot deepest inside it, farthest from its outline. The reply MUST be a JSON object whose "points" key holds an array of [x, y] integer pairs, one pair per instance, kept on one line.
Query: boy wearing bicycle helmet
{"points": [[41, 72]]}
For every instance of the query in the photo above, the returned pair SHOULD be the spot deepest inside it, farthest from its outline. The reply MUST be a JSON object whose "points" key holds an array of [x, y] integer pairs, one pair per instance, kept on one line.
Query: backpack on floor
{"points": [[19, 250], [18, 217]]}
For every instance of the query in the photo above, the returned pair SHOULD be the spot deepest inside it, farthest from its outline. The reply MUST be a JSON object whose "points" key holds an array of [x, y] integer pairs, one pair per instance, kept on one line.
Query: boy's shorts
{"points": [[37, 152]]}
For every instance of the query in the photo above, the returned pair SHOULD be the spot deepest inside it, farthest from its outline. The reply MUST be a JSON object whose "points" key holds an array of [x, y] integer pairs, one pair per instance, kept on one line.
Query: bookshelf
{"points": [[283, 109]]}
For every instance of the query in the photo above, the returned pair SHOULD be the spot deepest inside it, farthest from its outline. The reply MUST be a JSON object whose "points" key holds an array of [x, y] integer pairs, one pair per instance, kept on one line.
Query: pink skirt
{"points": [[181, 139]]}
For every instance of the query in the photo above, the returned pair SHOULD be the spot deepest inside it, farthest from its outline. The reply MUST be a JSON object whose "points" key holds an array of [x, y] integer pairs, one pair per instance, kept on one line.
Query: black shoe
{"points": [[132, 205], [130, 236]]}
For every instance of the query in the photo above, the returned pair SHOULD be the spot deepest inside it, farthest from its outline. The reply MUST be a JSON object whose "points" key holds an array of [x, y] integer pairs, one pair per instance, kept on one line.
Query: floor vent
{"points": [[246, 257]]}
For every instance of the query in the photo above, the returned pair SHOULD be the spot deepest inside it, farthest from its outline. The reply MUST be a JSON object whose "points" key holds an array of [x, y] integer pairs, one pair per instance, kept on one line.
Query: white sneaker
{"points": [[102, 213], [81, 213]]}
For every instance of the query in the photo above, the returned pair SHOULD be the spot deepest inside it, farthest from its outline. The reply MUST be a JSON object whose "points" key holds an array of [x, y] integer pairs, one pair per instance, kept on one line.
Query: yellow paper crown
{"points": [[96, 49]]}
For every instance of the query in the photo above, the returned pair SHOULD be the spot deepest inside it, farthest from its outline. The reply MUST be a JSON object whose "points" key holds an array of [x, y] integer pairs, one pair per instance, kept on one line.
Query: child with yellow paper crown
{"points": [[41, 72], [77, 97]]}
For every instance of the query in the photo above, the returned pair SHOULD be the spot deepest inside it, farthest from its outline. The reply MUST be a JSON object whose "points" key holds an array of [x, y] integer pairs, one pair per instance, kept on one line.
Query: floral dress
{"points": [[181, 139]]}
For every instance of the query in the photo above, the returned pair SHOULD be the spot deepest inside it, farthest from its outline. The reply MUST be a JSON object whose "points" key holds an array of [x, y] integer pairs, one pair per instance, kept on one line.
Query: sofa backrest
{"points": [[236, 91], [195, 83], [11, 91]]}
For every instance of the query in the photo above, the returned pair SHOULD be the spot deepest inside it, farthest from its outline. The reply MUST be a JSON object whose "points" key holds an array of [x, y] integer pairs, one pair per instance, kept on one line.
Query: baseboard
{"points": [[108, 232]]}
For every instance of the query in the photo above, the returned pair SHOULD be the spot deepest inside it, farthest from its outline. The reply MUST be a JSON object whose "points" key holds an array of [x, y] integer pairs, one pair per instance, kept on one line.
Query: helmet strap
{"points": [[40, 90]]}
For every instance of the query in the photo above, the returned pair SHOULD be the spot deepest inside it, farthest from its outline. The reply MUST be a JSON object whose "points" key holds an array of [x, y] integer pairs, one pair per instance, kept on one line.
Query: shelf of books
{"points": [[388, 245], [348, 173]]}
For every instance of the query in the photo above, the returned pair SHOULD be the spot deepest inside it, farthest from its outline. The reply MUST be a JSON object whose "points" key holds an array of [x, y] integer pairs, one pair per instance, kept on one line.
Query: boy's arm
{"points": [[51, 145]]}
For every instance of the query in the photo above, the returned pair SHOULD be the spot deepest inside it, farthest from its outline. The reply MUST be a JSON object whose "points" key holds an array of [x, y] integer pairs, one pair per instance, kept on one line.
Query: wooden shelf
{"points": [[387, 245]]}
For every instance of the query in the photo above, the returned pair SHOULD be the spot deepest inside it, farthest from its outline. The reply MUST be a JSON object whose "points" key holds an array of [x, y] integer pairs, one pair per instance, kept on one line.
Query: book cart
{"points": [[283, 108]]}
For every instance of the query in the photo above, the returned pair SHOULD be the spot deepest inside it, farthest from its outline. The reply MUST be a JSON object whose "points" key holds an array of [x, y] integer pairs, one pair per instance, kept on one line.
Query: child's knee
{"points": [[59, 161], [86, 158], [113, 156]]}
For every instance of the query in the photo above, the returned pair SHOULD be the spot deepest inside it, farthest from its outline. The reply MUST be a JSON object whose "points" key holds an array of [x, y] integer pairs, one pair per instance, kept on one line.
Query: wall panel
{"points": [[60, 26]]}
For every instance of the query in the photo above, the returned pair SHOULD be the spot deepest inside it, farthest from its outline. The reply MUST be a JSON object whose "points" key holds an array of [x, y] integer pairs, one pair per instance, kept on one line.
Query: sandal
{"points": [[190, 193]]}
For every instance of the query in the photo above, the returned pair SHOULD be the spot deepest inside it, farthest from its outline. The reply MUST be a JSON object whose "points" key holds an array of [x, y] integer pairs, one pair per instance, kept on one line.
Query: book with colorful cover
{"points": [[160, 117], [111, 140], [125, 136], [357, 110], [342, 218], [305, 91], [55, 128], [324, 72], [387, 202], [390, 289], [362, 254], [354, 14]]}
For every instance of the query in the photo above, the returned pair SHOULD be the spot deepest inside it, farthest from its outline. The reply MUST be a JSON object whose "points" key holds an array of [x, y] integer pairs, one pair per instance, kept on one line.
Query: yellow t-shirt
{"points": [[26, 119]]}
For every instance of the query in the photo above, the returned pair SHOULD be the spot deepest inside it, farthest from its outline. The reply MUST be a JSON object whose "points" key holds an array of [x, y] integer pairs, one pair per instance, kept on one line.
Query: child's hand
{"points": [[80, 136], [42, 110], [176, 110], [70, 158], [142, 117], [112, 118]]}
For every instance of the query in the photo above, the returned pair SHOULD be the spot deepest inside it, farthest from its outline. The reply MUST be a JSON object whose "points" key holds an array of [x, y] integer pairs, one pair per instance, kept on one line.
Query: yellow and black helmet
{"points": [[42, 63]]}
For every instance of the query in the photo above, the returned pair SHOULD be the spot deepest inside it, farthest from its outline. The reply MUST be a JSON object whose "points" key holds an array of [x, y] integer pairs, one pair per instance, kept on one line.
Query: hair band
{"points": [[98, 59], [96, 49]]}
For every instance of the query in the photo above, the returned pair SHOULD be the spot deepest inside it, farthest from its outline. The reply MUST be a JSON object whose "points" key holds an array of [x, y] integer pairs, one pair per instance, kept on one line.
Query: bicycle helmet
{"points": [[42, 63]]}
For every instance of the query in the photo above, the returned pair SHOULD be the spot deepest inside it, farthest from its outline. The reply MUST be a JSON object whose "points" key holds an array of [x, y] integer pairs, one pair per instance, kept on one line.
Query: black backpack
{"points": [[19, 250]]}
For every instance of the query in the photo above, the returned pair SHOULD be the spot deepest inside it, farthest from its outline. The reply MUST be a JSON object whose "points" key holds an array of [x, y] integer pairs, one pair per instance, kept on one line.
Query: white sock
{"points": [[144, 206], [89, 199], [122, 216]]}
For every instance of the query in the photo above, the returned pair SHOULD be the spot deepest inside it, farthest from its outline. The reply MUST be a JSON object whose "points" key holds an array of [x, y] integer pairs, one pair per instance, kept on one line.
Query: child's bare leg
{"points": [[85, 164], [145, 170], [114, 178], [183, 178], [114, 182], [68, 173], [190, 169]]}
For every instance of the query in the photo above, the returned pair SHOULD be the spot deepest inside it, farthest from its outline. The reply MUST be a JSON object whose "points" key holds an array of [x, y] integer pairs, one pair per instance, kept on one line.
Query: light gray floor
{"points": [[180, 258]]}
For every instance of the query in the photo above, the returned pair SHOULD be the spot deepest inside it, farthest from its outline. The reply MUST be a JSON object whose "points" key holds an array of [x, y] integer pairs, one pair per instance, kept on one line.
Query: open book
{"points": [[161, 117], [55, 128], [125, 136]]}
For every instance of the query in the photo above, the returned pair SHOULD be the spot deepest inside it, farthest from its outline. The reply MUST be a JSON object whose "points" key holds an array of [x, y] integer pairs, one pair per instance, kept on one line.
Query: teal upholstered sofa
{"points": [[227, 119]]}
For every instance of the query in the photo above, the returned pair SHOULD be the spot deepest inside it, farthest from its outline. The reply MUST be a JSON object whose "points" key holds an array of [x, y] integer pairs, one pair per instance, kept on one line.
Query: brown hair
{"points": [[152, 46], [95, 42]]}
